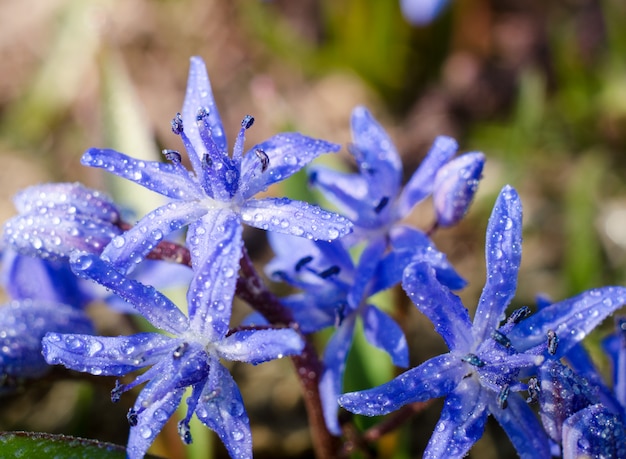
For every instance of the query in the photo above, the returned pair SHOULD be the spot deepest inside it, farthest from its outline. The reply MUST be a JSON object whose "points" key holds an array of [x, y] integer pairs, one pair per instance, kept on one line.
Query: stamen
{"points": [[180, 350], [473, 360], [501, 338], [503, 396], [132, 417], [381, 204], [265, 160], [117, 391], [202, 113], [177, 124], [247, 121], [329, 272], [303, 261], [184, 432], [519, 314], [340, 314], [553, 342], [533, 390], [173, 156], [207, 162]]}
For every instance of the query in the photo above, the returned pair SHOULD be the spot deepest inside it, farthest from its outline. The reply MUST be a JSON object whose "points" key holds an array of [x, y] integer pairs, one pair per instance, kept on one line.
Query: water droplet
{"points": [[118, 242]]}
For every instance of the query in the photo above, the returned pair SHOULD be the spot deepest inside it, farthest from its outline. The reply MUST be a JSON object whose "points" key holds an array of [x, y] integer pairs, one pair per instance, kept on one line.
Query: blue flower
{"points": [[189, 356], [594, 432], [374, 200], [480, 375], [220, 188], [422, 12]]}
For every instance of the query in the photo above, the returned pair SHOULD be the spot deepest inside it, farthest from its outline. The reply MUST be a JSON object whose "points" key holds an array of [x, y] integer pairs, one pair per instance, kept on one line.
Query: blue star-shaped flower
{"points": [[189, 357], [221, 188], [479, 376]]}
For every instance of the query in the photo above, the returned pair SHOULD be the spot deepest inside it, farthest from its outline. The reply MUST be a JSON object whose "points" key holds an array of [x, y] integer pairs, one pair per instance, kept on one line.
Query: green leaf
{"points": [[31, 445]]}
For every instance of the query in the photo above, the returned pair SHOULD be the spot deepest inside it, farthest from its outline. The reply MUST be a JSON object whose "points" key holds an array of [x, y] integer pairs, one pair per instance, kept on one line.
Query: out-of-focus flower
{"points": [[480, 375], [220, 188], [422, 12], [594, 432], [189, 356]]}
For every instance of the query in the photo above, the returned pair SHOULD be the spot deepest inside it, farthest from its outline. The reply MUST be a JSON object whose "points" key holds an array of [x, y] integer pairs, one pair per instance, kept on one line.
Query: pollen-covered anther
{"points": [[247, 121], [533, 390], [117, 391], [519, 314], [381, 204], [503, 396], [202, 113], [184, 432], [177, 124], [473, 360], [265, 160], [132, 417], [173, 156], [553, 342], [207, 162], [332, 271], [303, 262], [180, 350], [501, 338]]}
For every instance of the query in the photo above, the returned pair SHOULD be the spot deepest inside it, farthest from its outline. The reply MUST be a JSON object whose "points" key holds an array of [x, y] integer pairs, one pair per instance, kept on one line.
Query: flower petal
{"points": [[101, 355], [421, 182], [215, 243], [162, 178], [571, 319], [278, 158], [594, 432], [434, 378], [462, 421], [22, 326], [258, 346], [503, 252], [331, 381], [439, 304], [146, 300], [128, 249], [294, 217], [521, 425], [221, 409], [384, 333], [364, 276]]}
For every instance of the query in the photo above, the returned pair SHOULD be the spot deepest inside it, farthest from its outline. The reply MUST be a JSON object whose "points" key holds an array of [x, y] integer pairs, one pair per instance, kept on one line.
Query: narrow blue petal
{"points": [[221, 409], [462, 421], [200, 96], [101, 355], [420, 185], [215, 244], [72, 198], [313, 311], [128, 249], [56, 234], [522, 426], [278, 158], [368, 262], [156, 403], [571, 319], [594, 432], [434, 378], [162, 178], [439, 304], [258, 346], [455, 186], [294, 217], [503, 253], [375, 154], [22, 326], [384, 333], [331, 381], [146, 300], [350, 193]]}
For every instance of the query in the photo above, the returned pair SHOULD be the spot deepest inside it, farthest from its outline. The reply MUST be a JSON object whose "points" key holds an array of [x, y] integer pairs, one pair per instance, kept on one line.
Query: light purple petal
{"points": [[462, 421], [384, 333], [294, 217], [434, 378], [368, 262], [162, 178], [594, 432], [156, 403], [22, 326], [522, 426], [221, 409], [200, 95], [331, 381], [420, 185], [215, 244], [99, 355], [314, 312], [444, 309], [72, 198], [503, 253], [375, 154], [571, 319], [146, 300], [128, 249], [258, 346], [285, 153]]}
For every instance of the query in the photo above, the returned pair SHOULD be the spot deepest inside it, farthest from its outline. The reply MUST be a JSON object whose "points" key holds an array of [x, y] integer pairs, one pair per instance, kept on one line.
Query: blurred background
{"points": [[539, 87]]}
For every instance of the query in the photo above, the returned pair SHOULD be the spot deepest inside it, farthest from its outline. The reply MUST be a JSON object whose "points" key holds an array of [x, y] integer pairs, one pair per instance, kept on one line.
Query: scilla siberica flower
{"points": [[219, 192], [479, 376], [189, 356], [422, 12]]}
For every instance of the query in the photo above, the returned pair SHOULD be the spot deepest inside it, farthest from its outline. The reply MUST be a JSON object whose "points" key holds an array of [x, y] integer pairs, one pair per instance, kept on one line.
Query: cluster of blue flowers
{"points": [[69, 246]]}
